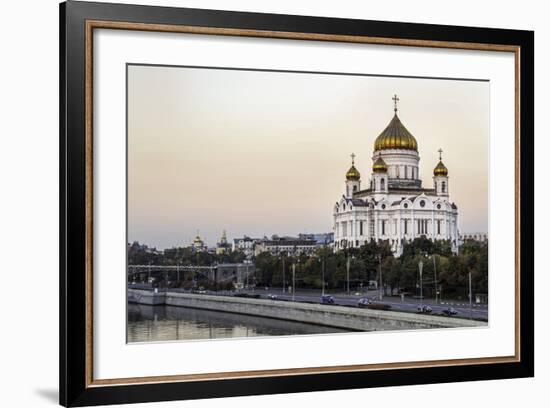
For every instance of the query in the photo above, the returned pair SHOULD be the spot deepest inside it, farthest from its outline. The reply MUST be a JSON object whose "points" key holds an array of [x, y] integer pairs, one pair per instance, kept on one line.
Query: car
{"points": [[272, 296], [363, 302], [247, 295], [449, 311], [379, 306], [327, 300], [425, 309]]}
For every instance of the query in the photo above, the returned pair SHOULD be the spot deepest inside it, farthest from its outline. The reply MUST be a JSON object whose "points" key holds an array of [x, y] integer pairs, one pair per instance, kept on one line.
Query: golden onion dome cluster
{"points": [[395, 136]]}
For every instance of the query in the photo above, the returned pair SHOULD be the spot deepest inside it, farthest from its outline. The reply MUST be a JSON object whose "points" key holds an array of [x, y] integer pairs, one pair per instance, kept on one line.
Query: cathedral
{"points": [[394, 207]]}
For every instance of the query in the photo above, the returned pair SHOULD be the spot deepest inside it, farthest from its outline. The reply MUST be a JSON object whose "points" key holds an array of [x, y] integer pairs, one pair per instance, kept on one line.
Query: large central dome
{"points": [[395, 136]]}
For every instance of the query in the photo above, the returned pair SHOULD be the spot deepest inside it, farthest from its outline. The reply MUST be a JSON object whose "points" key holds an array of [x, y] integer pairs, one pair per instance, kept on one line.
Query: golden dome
{"points": [[353, 173], [380, 166], [440, 169], [395, 136]]}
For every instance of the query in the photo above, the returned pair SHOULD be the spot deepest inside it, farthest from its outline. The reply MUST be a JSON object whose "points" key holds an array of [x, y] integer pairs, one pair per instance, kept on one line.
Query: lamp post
{"points": [[347, 273], [435, 278], [322, 260], [284, 283], [380, 277], [293, 280], [470, 290], [420, 265]]}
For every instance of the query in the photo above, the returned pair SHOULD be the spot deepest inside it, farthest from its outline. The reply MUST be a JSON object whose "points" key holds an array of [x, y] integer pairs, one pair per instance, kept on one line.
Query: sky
{"points": [[263, 153]]}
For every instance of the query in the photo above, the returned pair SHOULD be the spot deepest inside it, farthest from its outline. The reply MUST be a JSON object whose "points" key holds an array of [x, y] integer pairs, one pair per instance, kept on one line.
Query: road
{"points": [[408, 304]]}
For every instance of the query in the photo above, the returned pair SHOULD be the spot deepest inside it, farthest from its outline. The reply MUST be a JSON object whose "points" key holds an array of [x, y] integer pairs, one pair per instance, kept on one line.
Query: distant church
{"points": [[394, 207]]}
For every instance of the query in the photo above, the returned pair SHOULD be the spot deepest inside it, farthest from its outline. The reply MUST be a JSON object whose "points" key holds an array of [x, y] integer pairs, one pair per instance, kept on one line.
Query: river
{"points": [[165, 323]]}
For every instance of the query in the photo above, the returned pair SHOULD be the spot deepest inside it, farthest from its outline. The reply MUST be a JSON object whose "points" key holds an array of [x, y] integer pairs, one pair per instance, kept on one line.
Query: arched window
{"points": [[382, 184], [354, 188], [443, 186]]}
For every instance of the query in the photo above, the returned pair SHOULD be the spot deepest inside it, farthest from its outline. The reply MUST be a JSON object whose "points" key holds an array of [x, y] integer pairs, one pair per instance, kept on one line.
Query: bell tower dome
{"points": [[353, 179], [441, 178]]}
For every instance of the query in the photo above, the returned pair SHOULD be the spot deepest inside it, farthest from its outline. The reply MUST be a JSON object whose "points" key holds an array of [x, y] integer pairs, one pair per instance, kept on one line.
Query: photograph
{"points": [[280, 203]]}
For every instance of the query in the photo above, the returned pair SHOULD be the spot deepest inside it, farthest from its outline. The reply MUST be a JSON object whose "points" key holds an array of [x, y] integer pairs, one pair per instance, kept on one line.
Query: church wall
{"points": [[397, 160], [396, 223]]}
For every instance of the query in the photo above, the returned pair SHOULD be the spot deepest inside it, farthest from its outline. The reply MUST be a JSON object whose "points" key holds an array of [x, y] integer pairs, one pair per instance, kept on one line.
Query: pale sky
{"points": [[262, 153]]}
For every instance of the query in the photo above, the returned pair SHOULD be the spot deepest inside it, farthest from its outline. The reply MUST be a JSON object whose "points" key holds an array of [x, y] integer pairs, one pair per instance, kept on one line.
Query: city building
{"points": [[321, 239], [245, 245], [223, 247], [394, 207], [475, 236], [198, 245], [286, 245], [137, 247]]}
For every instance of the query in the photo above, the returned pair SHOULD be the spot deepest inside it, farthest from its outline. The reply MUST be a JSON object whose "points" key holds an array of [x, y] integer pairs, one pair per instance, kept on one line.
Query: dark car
{"points": [[272, 296], [425, 309], [247, 295], [379, 306], [363, 302], [327, 299], [449, 311]]}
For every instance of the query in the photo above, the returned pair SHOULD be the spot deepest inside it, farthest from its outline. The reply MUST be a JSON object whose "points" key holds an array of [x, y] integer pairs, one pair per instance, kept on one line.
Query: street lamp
{"points": [[420, 265], [435, 279], [293, 280], [380, 276], [347, 272], [284, 283], [322, 260], [470, 290]]}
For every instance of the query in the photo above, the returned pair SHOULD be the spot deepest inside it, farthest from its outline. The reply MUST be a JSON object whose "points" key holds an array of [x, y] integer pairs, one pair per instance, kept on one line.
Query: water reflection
{"points": [[162, 323]]}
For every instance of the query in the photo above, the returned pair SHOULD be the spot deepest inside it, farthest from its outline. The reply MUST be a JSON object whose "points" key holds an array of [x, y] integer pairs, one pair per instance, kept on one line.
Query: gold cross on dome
{"points": [[395, 99], [440, 151], [353, 158]]}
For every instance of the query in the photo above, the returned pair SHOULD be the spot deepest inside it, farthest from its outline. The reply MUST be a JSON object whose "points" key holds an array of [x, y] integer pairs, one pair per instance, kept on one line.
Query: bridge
{"points": [[220, 273]]}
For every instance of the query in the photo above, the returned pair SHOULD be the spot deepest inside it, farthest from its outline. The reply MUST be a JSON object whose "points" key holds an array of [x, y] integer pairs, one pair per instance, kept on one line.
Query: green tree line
{"points": [[442, 270]]}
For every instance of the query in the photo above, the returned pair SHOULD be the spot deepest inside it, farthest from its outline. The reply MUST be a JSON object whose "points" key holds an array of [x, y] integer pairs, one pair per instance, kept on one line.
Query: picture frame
{"points": [[78, 385]]}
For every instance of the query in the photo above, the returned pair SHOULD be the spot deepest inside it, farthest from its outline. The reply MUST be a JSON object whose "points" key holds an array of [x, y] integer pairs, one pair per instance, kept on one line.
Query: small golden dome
{"points": [[440, 169], [380, 166], [353, 173]]}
